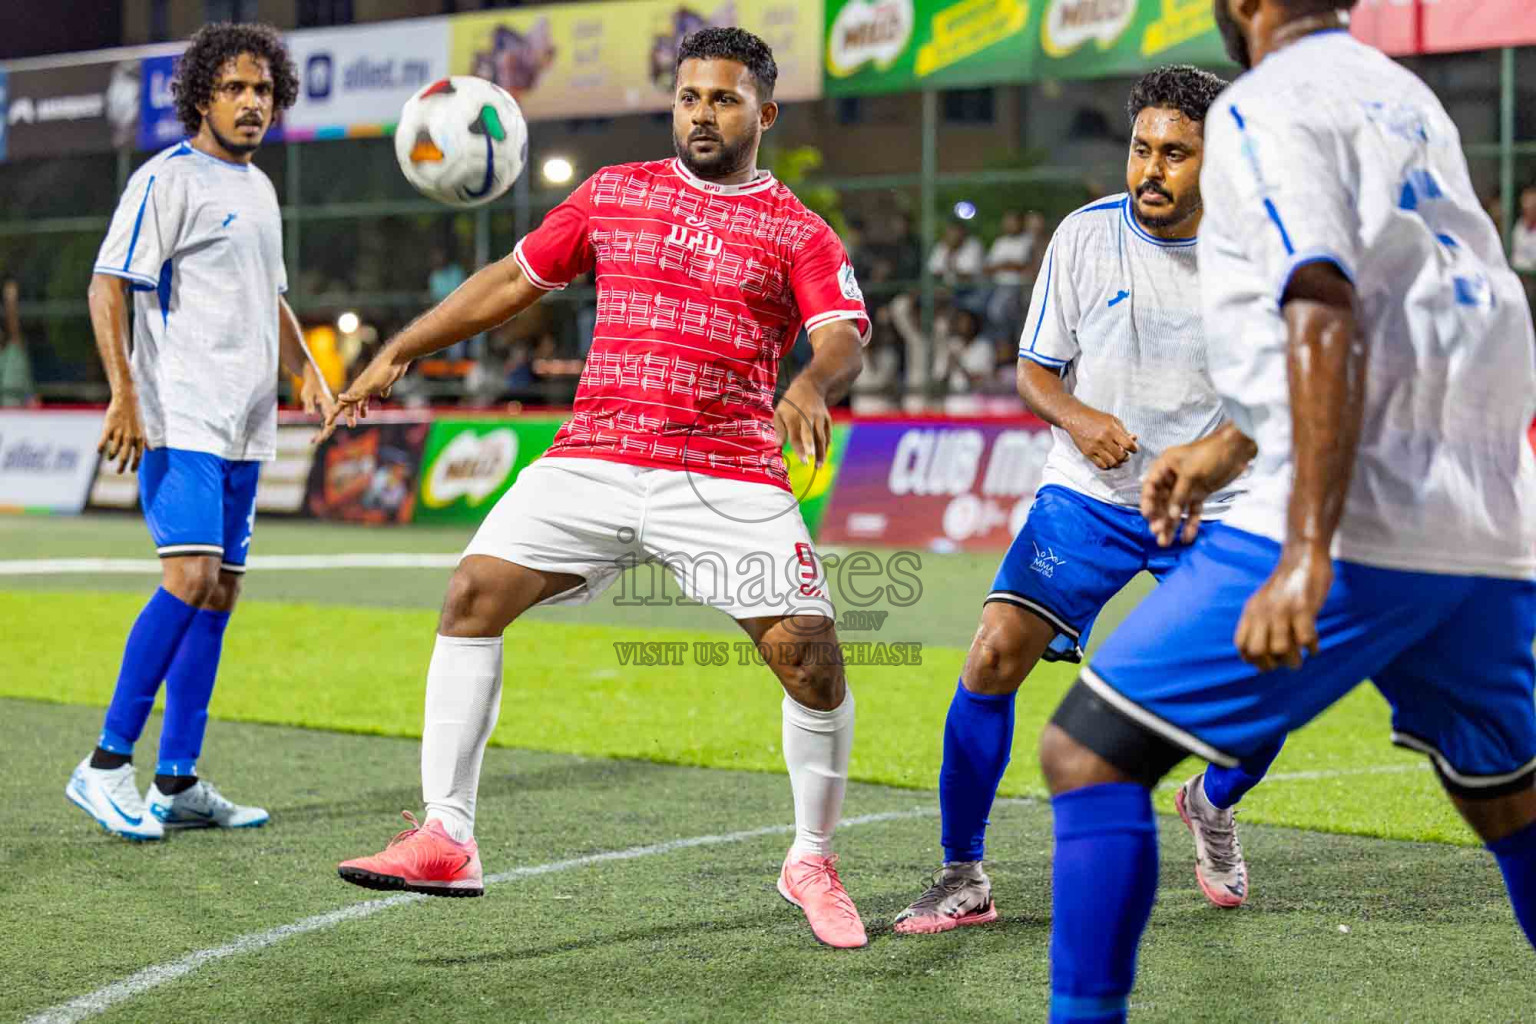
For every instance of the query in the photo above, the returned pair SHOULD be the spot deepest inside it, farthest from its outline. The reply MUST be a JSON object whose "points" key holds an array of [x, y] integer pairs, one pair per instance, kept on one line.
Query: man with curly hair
{"points": [[1113, 356], [196, 248]]}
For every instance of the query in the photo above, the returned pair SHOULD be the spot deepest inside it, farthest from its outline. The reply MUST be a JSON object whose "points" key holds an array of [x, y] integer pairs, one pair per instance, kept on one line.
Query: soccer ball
{"points": [[461, 141]]}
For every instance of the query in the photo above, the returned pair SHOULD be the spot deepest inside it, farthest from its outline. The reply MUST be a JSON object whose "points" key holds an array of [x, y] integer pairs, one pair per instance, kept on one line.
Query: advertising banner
{"points": [[76, 108], [367, 474], [608, 59], [469, 464], [158, 125], [353, 81], [812, 486], [935, 485], [1404, 27], [279, 490], [47, 459], [877, 46]]}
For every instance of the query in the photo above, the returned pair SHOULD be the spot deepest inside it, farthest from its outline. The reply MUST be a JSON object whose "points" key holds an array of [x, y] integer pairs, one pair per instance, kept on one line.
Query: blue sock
{"points": [[151, 644], [1516, 854], [188, 689], [978, 739], [1226, 786], [1103, 882]]}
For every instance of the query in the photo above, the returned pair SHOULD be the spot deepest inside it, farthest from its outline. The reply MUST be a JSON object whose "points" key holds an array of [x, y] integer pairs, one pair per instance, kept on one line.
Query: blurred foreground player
{"points": [[706, 270], [1368, 337], [1113, 357], [197, 241]]}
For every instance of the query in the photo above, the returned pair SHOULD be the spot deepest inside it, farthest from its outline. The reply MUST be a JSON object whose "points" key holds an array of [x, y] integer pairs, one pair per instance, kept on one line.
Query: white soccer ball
{"points": [[461, 141]]}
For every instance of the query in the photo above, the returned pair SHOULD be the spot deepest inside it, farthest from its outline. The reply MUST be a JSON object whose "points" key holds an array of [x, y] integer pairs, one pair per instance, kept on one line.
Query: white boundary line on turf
{"points": [[105, 998], [258, 563]]}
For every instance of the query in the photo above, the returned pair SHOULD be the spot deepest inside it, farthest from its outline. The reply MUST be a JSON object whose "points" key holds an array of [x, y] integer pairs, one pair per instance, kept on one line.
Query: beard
{"points": [[1182, 209], [1232, 36], [230, 145], [727, 159]]}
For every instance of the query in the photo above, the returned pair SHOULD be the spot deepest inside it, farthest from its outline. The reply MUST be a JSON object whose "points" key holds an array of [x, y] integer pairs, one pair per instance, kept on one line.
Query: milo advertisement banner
{"points": [[877, 46], [469, 464]]}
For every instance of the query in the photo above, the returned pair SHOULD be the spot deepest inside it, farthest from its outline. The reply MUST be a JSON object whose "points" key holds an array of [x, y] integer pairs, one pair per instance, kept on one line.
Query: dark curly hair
{"points": [[733, 44], [214, 46], [1180, 87]]}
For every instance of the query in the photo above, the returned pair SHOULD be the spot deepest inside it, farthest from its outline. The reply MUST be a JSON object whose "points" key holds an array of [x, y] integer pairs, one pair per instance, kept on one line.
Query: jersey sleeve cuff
{"points": [[539, 281], [1301, 259], [1043, 360], [832, 315], [128, 275]]}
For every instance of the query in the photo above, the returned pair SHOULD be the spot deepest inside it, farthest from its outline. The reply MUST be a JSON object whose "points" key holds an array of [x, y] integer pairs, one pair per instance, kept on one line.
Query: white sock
{"points": [[816, 747], [463, 700]]}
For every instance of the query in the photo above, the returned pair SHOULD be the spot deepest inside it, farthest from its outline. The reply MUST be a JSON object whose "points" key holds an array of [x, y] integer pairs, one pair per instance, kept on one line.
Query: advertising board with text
{"points": [[354, 80], [935, 485], [73, 108], [608, 59], [47, 459], [469, 464], [875, 46]]}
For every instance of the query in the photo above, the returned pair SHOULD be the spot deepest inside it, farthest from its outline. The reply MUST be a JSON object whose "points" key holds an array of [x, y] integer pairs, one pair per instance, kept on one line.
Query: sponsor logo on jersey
{"points": [[698, 241]]}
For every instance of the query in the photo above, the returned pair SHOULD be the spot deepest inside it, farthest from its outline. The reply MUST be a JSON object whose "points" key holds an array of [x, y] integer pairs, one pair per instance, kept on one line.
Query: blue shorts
{"points": [[1073, 554], [1451, 654], [199, 504]]}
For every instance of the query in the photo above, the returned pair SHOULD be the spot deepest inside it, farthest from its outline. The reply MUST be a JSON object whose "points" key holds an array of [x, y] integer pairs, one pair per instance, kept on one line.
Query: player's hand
{"points": [[314, 396], [352, 404], [802, 419], [1279, 623], [122, 436], [1104, 439]]}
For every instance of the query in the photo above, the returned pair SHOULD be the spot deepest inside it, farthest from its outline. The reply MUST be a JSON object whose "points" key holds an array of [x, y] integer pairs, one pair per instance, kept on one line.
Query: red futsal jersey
{"points": [[701, 289]]}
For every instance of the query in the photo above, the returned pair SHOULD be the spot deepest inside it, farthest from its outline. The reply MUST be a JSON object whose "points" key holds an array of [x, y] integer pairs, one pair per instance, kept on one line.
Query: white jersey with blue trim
{"points": [[1330, 151], [201, 241], [1117, 312]]}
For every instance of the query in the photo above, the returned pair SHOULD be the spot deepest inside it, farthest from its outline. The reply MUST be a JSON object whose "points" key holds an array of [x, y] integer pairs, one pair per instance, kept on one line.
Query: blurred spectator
{"points": [[965, 358], [1522, 248], [16, 386], [857, 247], [899, 252], [878, 387], [1007, 263], [957, 258], [446, 275]]}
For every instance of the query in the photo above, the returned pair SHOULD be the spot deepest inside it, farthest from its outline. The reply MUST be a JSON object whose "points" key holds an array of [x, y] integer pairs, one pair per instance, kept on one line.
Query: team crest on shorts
{"points": [[1046, 561]]}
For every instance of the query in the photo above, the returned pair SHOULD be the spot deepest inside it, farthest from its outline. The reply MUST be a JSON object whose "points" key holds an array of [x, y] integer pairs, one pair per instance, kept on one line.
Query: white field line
{"points": [[102, 999], [105, 998], [258, 563]]}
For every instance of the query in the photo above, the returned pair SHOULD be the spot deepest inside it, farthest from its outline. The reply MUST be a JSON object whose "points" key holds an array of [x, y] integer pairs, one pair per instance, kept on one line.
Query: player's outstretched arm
{"points": [[492, 296], [1325, 365], [1174, 490], [1098, 435], [802, 416], [122, 435]]}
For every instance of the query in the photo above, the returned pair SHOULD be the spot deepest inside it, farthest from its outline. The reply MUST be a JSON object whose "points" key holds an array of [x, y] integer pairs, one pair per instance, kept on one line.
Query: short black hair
{"points": [[1182, 87], [1302, 8], [215, 45], [733, 44]]}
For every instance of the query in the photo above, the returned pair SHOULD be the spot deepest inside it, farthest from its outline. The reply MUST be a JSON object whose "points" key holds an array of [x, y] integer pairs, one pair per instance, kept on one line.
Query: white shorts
{"points": [[734, 545]]}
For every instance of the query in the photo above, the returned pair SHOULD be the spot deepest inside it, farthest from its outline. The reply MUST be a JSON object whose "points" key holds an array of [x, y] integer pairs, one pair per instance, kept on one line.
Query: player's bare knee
{"points": [[226, 592], [997, 663], [471, 607], [192, 579], [1497, 816]]}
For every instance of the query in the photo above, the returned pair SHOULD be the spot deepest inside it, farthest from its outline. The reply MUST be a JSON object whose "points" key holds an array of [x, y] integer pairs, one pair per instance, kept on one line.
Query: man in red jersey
{"points": [[706, 269]]}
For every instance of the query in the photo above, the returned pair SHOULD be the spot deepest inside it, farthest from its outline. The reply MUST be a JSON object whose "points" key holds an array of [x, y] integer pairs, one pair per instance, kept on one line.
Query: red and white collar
{"points": [[763, 181]]}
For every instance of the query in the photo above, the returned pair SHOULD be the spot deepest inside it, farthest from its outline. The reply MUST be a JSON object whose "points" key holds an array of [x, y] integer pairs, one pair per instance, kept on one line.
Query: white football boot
{"points": [[202, 806], [111, 796]]}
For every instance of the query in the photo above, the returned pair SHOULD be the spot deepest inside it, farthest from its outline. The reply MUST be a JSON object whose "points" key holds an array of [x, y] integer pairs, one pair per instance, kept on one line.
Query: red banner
{"points": [[1405, 27]]}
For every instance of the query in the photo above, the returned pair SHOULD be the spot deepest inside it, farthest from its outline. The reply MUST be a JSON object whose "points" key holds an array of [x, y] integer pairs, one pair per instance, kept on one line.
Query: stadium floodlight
{"points": [[557, 170], [965, 209], [348, 322]]}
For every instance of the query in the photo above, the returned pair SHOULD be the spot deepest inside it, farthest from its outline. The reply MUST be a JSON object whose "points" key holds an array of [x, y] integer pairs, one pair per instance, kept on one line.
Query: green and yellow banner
{"points": [[875, 46]]}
